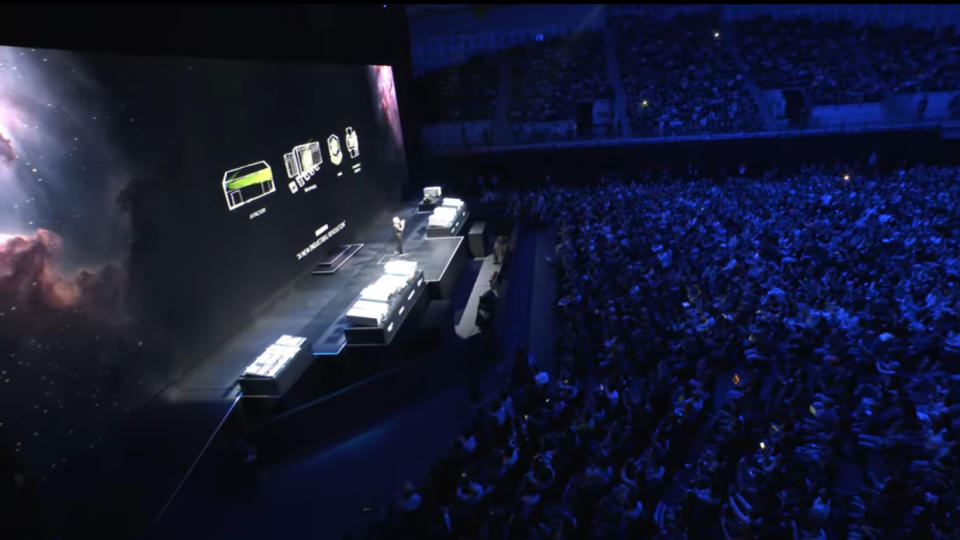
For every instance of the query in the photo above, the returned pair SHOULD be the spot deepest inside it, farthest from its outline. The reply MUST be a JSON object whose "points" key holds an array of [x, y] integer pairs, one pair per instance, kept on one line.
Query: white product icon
{"points": [[333, 145], [303, 161], [248, 183], [353, 146]]}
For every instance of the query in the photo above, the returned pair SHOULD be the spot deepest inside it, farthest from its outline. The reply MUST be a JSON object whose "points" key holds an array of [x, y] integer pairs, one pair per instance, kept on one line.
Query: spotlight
{"points": [[645, 103], [846, 177], [716, 35], [762, 445]]}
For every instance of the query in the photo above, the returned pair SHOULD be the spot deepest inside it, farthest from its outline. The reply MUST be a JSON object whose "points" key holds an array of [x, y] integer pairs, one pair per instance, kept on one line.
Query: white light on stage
{"points": [[407, 269], [716, 35], [442, 219], [846, 177], [452, 202], [368, 313], [276, 357]]}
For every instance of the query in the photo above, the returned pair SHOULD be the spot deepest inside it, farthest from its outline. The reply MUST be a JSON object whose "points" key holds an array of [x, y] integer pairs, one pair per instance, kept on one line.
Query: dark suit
{"points": [[398, 236]]}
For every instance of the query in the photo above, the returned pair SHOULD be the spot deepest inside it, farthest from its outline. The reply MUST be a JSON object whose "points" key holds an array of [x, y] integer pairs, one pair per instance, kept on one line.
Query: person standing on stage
{"points": [[398, 233]]}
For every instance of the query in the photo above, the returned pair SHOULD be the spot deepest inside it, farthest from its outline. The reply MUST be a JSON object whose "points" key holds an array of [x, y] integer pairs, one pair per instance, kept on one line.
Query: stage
{"points": [[315, 306]]}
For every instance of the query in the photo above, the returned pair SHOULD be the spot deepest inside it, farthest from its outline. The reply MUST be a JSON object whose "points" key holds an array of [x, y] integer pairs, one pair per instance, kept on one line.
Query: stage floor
{"points": [[166, 436], [315, 306]]}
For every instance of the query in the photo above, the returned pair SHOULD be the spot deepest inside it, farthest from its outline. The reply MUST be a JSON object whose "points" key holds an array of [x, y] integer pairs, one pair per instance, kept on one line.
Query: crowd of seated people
{"points": [[913, 60], [770, 357], [680, 78], [463, 92], [550, 77], [818, 57]]}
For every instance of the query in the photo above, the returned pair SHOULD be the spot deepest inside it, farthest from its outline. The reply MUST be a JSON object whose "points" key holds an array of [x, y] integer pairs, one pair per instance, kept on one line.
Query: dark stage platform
{"points": [[315, 306]]}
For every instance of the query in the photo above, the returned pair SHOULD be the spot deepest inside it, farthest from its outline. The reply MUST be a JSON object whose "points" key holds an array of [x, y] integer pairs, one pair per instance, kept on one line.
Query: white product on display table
{"points": [[448, 219], [278, 367], [383, 305], [443, 216], [367, 313], [407, 269], [431, 196], [452, 202]]}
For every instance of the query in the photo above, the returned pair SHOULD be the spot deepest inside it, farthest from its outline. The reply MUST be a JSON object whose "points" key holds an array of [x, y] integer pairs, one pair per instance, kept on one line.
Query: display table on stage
{"points": [[378, 313], [277, 368], [431, 199], [448, 219]]}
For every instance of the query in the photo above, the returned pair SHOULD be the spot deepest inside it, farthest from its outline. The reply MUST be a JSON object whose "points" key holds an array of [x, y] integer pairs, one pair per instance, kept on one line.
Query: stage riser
{"points": [[382, 335], [454, 230], [443, 288]]}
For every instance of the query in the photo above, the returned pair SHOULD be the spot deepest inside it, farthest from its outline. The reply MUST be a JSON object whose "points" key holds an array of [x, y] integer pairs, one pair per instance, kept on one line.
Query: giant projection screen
{"points": [[149, 205]]}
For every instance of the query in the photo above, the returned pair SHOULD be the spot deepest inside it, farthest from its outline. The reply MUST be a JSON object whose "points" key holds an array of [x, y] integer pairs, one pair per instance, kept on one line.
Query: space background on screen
{"points": [[128, 245]]}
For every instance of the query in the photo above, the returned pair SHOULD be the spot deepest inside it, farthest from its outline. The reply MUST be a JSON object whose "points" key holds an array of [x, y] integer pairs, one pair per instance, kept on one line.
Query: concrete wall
{"points": [[861, 114], [903, 108]]}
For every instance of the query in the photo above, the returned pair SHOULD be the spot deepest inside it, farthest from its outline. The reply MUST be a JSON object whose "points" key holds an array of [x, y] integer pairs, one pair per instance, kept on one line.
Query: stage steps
{"points": [[339, 259]]}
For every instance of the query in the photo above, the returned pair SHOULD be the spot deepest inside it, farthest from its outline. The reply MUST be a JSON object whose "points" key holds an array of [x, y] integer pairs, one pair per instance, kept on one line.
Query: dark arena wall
{"points": [[713, 158]]}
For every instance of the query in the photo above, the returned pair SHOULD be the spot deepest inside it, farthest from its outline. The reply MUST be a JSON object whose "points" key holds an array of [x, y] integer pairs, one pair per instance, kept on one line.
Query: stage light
{"points": [[846, 177], [645, 103], [716, 35], [762, 445], [736, 379]]}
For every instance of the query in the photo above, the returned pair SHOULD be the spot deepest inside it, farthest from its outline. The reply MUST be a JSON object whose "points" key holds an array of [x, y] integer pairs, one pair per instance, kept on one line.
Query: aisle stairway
{"points": [[613, 72], [501, 123], [729, 39], [861, 59]]}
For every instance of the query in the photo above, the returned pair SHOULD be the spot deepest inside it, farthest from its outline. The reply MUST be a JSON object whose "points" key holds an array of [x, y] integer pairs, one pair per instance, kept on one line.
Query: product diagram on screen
{"points": [[302, 163], [353, 146], [248, 183], [333, 145]]}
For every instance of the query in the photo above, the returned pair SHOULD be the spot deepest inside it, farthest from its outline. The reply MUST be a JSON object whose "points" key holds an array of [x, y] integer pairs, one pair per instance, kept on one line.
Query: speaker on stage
{"points": [[477, 240], [584, 118]]}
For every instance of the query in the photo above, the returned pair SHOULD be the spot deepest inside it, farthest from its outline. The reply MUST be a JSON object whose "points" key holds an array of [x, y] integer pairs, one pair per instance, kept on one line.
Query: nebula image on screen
{"points": [[121, 265], [387, 96], [66, 340]]}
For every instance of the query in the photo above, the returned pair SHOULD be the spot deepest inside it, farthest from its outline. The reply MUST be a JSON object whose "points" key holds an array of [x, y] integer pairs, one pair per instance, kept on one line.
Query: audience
{"points": [[913, 60], [771, 357], [680, 78], [551, 77], [817, 57], [460, 93]]}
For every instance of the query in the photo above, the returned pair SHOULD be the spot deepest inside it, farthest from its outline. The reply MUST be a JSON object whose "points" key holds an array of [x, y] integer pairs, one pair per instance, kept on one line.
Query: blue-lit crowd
{"points": [[696, 73], [748, 357]]}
